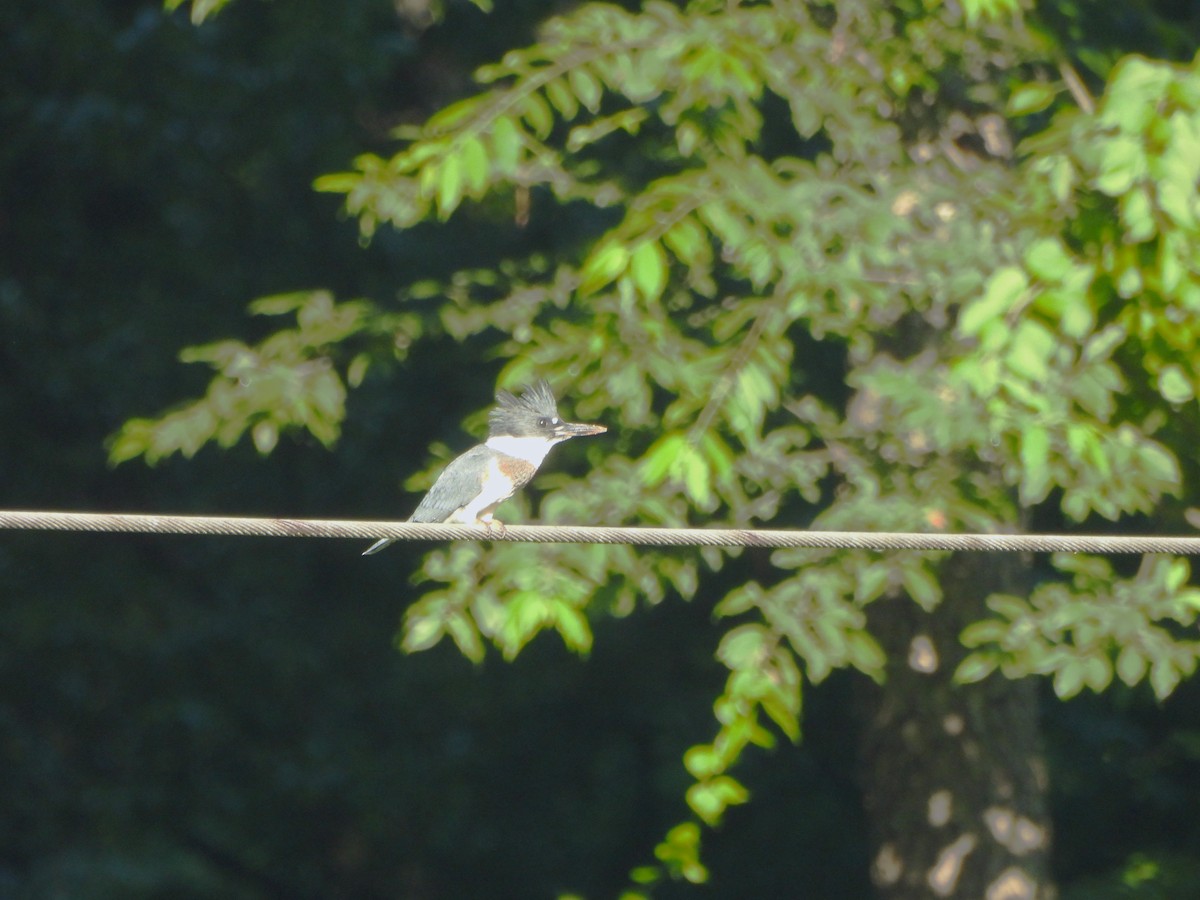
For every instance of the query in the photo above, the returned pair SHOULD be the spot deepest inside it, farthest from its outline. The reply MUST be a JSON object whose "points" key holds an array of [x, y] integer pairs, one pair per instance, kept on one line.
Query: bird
{"points": [[521, 431]]}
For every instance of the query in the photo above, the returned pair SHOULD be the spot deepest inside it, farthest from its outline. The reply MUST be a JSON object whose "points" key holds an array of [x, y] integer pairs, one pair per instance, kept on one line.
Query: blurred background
{"points": [[220, 717]]}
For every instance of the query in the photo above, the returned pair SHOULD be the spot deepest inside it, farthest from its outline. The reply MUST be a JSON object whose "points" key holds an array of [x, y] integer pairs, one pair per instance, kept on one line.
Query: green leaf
{"points": [[648, 269], [201, 9], [526, 613], [602, 267], [1171, 251], [660, 459], [680, 853], [1176, 195], [1131, 665], [1137, 214], [1122, 162], [1159, 464], [782, 705], [1029, 355], [1035, 465], [1164, 678], [1177, 574], [1062, 176], [920, 584], [475, 166], [985, 631], [421, 631], [702, 762], [573, 626], [1174, 385], [563, 99], [536, 113], [705, 803], [1097, 672], [696, 476], [1068, 680], [282, 304], [731, 791], [743, 647], [586, 88], [1102, 344], [133, 440], [1031, 98], [871, 583], [1135, 87], [688, 241], [449, 180], [505, 140], [265, 435], [1048, 260], [1129, 282], [975, 668], [710, 799], [451, 117], [357, 370], [865, 654], [337, 182], [642, 875], [989, 9], [740, 600], [1077, 317], [1003, 290], [627, 120], [717, 454], [466, 637]]}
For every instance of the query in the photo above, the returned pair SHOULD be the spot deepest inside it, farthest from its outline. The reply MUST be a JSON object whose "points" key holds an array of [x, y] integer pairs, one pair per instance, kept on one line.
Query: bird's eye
{"points": [[543, 422]]}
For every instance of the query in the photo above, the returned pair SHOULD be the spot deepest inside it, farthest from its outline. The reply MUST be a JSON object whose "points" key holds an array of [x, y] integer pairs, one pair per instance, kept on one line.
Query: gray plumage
{"points": [[521, 431], [535, 411], [445, 498]]}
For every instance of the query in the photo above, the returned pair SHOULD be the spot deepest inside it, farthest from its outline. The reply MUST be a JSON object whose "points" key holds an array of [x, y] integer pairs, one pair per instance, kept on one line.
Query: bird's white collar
{"points": [[531, 449]]}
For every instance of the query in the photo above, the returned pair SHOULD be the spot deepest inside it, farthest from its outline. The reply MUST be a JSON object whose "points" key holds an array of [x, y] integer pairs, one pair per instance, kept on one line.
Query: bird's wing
{"points": [[457, 485]]}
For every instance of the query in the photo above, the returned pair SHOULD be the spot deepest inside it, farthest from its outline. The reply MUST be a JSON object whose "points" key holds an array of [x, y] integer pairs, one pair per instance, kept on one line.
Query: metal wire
{"points": [[648, 537]]}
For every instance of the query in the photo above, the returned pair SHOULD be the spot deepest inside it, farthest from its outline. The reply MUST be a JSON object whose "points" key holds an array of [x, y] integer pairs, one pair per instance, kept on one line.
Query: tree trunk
{"points": [[952, 775]]}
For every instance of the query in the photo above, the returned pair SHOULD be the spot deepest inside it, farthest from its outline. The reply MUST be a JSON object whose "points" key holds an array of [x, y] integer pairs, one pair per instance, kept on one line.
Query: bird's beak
{"points": [[572, 429]]}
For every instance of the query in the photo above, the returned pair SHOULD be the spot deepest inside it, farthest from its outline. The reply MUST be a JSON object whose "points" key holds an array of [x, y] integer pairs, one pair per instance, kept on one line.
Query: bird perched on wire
{"points": [[521, 431]]}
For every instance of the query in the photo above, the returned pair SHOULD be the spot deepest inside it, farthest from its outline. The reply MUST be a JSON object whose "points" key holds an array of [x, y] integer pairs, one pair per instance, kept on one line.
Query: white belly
{"points": [[496, 489]]}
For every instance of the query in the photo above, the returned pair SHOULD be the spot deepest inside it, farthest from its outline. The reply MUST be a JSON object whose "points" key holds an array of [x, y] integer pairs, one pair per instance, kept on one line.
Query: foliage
{"points": [[200, 9], [1082, 631], [203, 10], [286, 381], [826, 292]]}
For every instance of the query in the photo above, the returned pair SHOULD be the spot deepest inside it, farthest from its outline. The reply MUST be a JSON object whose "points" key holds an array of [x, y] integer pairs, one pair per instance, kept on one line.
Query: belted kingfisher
{"points": [[521, 431]]}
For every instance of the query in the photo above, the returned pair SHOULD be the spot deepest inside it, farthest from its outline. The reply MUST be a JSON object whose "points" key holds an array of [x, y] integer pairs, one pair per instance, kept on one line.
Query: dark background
{"points": [[228, 717]]}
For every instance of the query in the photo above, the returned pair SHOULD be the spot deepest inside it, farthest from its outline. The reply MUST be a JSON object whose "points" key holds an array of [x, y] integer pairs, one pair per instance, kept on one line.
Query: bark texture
{"points": [[952, 776]]}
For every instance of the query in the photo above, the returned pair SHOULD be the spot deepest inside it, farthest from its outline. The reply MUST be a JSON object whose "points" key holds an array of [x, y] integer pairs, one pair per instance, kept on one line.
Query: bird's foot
{"points": [[494, 526]]}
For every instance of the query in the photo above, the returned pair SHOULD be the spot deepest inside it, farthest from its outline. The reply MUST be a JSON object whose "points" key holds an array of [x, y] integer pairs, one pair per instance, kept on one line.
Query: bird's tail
{"points": [[378, 545]]}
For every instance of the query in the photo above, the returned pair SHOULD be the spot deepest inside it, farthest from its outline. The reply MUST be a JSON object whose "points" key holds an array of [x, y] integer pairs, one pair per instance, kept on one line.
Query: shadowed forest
{"points": [[909, 266]]}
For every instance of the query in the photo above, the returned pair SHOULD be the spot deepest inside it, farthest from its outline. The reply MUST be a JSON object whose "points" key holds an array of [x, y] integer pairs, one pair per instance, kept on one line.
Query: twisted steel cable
{"points": [[243, 526]]}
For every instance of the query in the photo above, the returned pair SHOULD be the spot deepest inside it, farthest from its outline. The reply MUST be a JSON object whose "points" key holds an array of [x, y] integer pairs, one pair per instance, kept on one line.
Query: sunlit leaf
{"points": [[1003, 290], [1174, 385], [602, 267], [475, 165], [1031, 98], [505, 142], [743, 647], [648, 269], [1035, 470], [449, 185]]}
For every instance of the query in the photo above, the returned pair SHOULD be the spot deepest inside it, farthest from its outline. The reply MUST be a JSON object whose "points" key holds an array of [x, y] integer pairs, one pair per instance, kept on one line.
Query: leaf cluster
{"points": [[287, 381], [858, 324]]}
